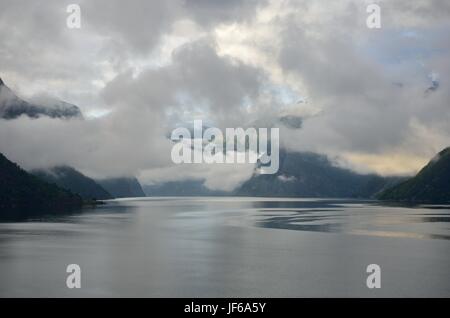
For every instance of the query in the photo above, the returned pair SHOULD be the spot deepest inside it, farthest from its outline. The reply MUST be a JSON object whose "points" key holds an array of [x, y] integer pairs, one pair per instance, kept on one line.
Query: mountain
{"points": [[21, 190], [430, 185], [301, 174], [71, 179], [305, 174], [181, 188], [12, 107], [122, 187]]}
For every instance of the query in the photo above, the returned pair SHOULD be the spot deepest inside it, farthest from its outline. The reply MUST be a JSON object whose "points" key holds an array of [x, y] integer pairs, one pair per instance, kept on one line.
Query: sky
{"points": [[373, 100]]}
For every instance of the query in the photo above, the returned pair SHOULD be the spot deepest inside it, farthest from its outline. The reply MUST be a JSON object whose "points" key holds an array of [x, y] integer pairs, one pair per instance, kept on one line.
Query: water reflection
{"points": [[354, 217], [229, 247]]}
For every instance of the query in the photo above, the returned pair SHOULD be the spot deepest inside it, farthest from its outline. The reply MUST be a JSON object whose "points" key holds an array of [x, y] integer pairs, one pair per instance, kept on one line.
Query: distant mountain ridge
{"points": [[11, 107], [430, 185], [122, 187], [21, 190], [71, 179], [306, 174], [181, 188], [301, 174], [88, 188]]}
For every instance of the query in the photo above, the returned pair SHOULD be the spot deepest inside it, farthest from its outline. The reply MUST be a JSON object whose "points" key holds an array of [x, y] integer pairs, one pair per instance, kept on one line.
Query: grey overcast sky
{"points": [[138, 68]]}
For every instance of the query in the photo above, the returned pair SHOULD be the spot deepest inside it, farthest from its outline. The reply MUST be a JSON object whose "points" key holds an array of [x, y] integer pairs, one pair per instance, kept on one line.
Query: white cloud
{"points": [[138, 69]]}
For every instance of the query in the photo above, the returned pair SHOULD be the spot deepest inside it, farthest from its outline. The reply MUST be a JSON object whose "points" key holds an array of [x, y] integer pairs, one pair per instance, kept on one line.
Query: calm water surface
{"points": [[230, 247]]}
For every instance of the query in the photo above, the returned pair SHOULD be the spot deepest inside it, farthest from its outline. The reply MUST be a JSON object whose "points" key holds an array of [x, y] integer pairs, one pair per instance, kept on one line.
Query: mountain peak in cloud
{"points": [[11, 107]]}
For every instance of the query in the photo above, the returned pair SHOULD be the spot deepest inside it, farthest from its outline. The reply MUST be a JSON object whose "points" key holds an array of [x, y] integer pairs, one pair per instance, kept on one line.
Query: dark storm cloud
{"points": [[137, 25], [197, 80], [140, 23]]}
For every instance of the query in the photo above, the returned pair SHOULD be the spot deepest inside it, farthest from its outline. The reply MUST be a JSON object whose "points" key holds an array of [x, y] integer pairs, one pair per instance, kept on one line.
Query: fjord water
{"points": [[230, 247]]}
